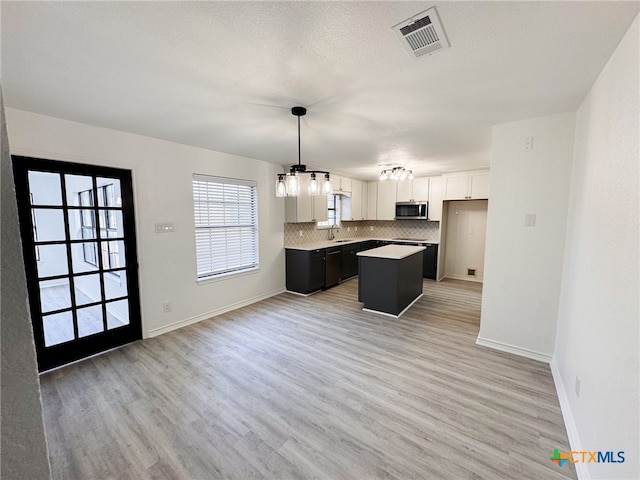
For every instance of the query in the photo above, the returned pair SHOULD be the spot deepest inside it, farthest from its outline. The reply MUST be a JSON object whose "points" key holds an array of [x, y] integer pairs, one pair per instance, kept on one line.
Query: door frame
{"points": [[57, 355]]}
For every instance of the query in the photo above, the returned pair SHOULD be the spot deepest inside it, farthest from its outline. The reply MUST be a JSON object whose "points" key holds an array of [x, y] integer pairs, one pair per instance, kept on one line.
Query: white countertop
{"points": [[333, 243], [394, 252]]}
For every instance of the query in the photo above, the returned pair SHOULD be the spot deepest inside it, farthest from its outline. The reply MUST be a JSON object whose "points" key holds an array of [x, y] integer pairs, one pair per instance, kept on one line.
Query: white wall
{"points": [[599, 314], [162, 175], [465, 239], [523, 265]]}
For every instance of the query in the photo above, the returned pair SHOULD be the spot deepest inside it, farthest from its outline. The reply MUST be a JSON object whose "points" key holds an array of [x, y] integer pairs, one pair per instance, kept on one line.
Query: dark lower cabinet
{"points": [[430, 267], [312, 270], [316, 270], [429, 258], [305, 270], [350, 259]]}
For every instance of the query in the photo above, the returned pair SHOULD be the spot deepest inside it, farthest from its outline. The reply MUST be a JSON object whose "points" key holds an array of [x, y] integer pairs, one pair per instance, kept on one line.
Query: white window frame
{"points": [[225, 226]]}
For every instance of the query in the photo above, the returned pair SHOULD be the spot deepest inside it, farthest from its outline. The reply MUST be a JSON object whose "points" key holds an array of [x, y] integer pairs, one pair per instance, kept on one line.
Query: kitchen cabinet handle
{"points": [[334, 253]]}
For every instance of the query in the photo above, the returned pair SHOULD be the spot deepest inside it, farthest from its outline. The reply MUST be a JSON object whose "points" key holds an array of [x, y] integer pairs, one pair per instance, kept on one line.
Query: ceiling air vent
{"points": [[422, 34]]}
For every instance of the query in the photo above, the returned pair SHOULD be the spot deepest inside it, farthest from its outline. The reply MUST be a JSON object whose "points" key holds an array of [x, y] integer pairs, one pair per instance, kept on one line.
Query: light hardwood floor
{"points": [[295, 387]]}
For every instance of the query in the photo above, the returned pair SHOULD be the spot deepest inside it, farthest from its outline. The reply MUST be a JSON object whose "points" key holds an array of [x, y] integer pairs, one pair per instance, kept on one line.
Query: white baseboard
{"points": [[466, 278], [219, 311], [505, 347], [569, 422]]}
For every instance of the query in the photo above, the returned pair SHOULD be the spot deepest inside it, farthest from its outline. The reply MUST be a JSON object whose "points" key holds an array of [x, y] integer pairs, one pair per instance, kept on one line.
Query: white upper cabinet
{"points": [[479, 185], [466, 185], [365, 200], [335, 182], [340, 184], [386, 204], [358, 201], [305, 208], [404, 191], [372, 200], [456, 187], [345, 184], [416, 190], [435, 199], [319, 209], [420, 189]]}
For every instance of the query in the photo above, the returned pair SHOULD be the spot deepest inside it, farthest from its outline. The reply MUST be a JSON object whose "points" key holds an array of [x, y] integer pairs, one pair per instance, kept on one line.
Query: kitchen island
{"points": [[390, 278]]}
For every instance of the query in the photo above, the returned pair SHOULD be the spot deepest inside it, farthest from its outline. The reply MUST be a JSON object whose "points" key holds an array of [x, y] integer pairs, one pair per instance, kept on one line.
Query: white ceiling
{"points": [[224, 75]]}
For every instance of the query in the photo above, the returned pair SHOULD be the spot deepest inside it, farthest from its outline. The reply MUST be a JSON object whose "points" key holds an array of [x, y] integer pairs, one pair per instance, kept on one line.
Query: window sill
{"points": [[227, 276]]}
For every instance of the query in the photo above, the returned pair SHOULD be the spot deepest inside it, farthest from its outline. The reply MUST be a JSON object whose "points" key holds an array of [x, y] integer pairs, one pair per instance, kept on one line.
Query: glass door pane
{"points": [[45, 188], [87, 289], [117, 314], [89, 320], [58, 328], [55, 295]]}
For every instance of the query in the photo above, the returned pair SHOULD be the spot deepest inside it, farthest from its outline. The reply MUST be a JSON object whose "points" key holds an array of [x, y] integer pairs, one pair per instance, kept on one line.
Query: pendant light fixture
{"points": [[396, 173], [288, 185]]}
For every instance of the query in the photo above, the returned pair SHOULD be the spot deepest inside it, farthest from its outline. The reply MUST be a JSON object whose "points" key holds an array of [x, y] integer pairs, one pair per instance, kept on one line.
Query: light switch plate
{"points": [[164, 227]]}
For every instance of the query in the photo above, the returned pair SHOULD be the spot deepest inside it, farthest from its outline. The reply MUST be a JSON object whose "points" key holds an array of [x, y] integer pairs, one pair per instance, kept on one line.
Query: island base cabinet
{"points": [[387, 285], [305, 270]]}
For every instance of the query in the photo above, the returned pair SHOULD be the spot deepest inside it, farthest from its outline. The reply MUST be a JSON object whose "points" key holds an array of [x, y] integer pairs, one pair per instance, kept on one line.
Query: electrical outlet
{"points": [[527, 143], [577, 386], [348, 229], [355, 229], [167, 307], [300, 232], [371, 229]]}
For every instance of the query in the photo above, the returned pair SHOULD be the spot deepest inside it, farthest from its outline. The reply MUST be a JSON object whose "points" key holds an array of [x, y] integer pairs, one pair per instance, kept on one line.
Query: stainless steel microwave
{"points": [[412, 210]]}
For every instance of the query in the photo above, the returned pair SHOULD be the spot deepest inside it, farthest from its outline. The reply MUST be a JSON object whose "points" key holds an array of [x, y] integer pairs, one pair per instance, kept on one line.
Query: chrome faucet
{"points": [[331, 234]]}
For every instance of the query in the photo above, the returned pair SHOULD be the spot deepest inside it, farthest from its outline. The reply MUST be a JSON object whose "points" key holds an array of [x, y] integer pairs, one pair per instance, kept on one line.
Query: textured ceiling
{"points": [[224, 75]]}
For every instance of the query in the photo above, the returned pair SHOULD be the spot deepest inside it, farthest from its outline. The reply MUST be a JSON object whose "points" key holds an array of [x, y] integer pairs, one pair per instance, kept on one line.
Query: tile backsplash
{"points": [[297, 233]]}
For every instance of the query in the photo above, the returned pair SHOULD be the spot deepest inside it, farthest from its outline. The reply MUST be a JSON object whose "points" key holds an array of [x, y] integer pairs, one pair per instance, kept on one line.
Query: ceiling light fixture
{"points": [[288, 184], [396, 173]]}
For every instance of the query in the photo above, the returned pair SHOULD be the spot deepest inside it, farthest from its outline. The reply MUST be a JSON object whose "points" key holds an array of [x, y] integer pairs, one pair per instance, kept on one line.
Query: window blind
{"points": [[226, 225]]}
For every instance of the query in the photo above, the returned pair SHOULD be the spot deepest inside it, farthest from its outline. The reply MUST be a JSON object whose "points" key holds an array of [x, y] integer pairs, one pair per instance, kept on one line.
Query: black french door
{"points": [[78, 238]]}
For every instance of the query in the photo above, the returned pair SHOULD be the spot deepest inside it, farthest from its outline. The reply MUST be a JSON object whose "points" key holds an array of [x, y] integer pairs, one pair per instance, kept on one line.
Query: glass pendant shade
{"points": [[281, 188], [293, 185], [327, 188], [313, 188]]}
